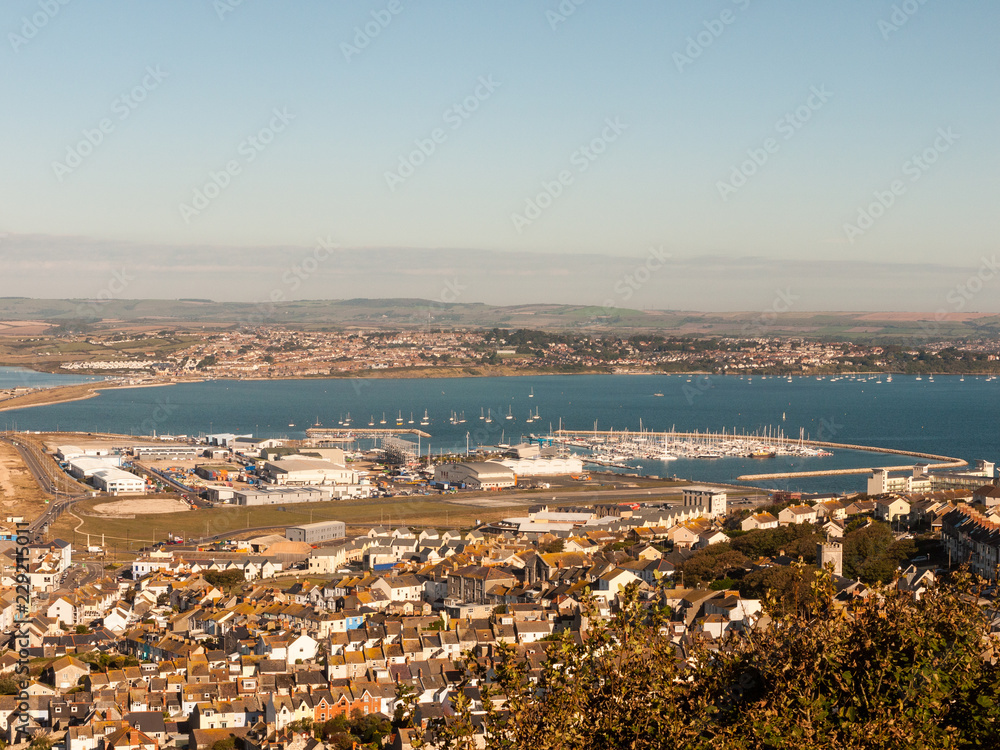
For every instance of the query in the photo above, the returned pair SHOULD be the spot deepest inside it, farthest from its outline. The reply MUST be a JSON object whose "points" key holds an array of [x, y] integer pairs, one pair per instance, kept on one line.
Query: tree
{"points": [[888, 671], [872, 554], [9, 684], [225, 579], [713, 562]]}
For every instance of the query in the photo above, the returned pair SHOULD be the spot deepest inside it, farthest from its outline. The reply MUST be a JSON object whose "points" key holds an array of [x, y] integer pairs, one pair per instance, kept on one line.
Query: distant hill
{"points": [[391, 314]]}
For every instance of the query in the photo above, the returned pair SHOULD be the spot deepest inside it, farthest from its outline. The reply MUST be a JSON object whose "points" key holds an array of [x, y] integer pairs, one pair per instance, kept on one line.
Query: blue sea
{"points": [[950, 415]]}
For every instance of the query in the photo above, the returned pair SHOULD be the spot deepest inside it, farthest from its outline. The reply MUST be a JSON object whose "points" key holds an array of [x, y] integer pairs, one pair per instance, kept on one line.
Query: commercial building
{"points": [[316, 533], [881, 482], [481, 475], [281, 496], [922, 480], [118, 482], [711, 499]]}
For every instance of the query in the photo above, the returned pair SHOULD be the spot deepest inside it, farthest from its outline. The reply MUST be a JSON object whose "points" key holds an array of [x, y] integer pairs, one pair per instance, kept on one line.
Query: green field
{"points": [[412, 313], [420, 511]]}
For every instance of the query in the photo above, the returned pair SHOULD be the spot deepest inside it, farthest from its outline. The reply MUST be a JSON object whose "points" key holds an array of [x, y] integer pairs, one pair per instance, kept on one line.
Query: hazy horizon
{"points": [[729, 155]]}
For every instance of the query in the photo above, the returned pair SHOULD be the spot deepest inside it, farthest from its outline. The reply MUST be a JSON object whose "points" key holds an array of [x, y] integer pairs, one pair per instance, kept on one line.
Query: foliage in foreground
{"points": [[891, 672]]}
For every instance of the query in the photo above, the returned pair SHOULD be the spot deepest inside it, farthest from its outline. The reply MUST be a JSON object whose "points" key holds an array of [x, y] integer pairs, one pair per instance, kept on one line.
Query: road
{"points": [[190, 493], [52, 481]]}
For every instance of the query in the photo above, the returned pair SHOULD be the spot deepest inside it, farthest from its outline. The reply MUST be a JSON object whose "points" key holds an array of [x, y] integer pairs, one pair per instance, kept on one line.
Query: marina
{"points": [[720, 429]]}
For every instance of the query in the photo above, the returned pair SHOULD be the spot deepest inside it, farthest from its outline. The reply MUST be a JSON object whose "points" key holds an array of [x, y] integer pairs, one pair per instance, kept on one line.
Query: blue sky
{"points": [[735, 135]]}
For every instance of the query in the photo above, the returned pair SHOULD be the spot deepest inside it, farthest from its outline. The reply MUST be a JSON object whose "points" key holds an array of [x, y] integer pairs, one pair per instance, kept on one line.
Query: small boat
{"points": [[489, 415], [531, 393], [425, 421], [510, 415], [371, 422], [660, 395], [461, 418], [399, 419], [411, 418], [383, 418], [481, 415], [291, 424]]}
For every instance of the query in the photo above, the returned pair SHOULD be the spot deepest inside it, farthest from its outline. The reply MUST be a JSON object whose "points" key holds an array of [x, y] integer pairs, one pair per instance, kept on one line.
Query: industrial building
{"points": [[83, 467], [307, 471], [316, 533], [281, 496], [399, 452], [118, 482], [527, 467], [165, 451], [481, 475]]}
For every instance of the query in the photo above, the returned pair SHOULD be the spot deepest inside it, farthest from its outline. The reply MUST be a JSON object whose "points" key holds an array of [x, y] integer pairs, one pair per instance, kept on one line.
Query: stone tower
{"points": [[830, 552]]}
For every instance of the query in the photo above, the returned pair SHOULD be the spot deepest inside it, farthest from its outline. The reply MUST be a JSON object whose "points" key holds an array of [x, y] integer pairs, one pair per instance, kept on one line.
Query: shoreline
{"points": [[59, 394]]}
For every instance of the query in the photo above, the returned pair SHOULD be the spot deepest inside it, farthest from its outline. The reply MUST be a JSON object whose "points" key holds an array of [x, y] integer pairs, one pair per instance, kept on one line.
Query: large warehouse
{"points": [[281, 496], [316, 533], [84, 467], [118, 482], [302, 471], [480, 475], [526, 467]]}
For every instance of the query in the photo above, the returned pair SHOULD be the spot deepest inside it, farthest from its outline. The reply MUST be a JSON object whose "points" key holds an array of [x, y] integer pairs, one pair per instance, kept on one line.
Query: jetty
{"points": [[353, 433], [737, 445]]}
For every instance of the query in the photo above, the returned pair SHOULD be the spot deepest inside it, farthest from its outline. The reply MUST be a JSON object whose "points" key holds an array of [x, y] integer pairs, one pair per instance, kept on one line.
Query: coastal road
{"points": [[62, 490]]}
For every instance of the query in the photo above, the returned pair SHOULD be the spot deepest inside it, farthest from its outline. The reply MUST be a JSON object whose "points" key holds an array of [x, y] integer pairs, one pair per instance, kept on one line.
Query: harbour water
{"points": [[950, 416], [19, 377]]}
